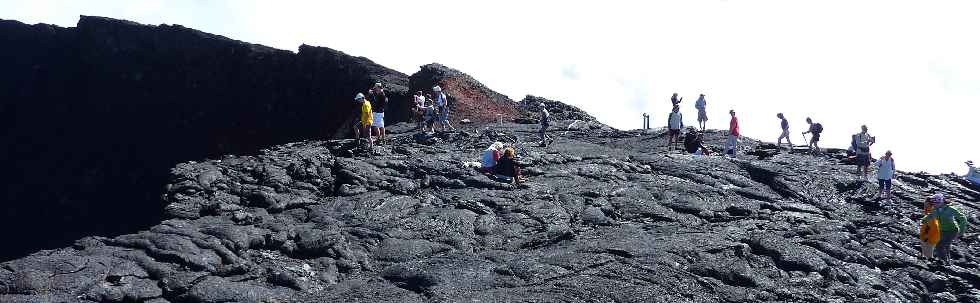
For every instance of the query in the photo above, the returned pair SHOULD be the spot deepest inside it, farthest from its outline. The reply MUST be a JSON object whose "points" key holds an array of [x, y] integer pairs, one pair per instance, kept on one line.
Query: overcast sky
{"points": [[910, 70]]}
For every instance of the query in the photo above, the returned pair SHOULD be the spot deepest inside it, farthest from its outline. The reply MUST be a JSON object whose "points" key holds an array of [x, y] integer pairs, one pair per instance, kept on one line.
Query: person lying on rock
{"points": [[694, 142], [507, 169], [929, 231], [490, 157], [952, 226]]}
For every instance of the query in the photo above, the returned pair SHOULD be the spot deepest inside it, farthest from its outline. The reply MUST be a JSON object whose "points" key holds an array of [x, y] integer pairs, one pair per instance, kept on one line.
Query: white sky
{"points": [[910, 70]]}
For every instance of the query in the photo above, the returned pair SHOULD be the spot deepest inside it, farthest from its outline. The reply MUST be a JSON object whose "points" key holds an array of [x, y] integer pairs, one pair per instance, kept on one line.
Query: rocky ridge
{"points": [[606, 216]]}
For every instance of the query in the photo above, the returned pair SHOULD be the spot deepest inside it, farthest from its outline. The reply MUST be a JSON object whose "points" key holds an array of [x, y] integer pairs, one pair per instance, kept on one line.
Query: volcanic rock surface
{"points": [[93, 117], [606, 216], [482, 104]]}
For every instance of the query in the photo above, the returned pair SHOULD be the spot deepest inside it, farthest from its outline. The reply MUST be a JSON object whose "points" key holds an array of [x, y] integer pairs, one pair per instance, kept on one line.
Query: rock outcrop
{"points": [[93, 117], [482, 104], [607, 216]]}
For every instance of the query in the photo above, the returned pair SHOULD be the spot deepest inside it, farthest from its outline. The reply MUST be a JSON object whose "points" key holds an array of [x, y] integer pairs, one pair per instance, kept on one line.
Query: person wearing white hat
{"points": [[366, 119], [442, 104], [952, 226]]}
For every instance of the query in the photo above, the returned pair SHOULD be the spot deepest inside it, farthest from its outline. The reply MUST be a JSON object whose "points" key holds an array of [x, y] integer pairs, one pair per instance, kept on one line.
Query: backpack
{"points": [[817, 128]]}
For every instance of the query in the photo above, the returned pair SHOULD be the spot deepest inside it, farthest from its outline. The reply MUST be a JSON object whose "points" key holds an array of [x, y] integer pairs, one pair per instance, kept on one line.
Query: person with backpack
{"points": [[814, 131], [701, 106], [675, 122], [886, 171], [442, 107], [366, 119], [862, 149], [675, 100], [694, 143], [733, 133], [929, 232], [545, 120], [784, 125], [490, 157], [952, 226], [379, 102]]}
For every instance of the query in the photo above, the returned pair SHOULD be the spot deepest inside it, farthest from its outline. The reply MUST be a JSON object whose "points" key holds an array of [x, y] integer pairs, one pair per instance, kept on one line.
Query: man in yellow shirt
{"points": [[366, 119]]}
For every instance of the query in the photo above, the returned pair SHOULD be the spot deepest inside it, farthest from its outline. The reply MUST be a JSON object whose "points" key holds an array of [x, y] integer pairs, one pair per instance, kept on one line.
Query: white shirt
{"points": [[886, 169], [488, 161]]}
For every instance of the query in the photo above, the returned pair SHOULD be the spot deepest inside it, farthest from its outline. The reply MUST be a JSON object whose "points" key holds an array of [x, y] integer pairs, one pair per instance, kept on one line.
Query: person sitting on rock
{"points": [[973, 174], [929, 231], [675, 122], [490, 157], [952, 226], [694, 142], [507, 169], [366, 119], [886, 170]]}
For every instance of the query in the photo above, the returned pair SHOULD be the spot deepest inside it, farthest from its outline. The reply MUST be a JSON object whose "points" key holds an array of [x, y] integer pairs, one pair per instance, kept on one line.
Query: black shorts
{"points": [[674, 132], [816, 138], [863, 159]]}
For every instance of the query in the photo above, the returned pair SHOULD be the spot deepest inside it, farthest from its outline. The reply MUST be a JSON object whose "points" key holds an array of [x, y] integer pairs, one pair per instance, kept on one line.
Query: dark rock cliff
{"points": [[93, 117]]}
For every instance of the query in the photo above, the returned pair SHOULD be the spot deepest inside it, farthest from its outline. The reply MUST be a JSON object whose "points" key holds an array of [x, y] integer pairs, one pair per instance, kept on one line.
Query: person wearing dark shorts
{"points": [[862, 148], [814, 131]]}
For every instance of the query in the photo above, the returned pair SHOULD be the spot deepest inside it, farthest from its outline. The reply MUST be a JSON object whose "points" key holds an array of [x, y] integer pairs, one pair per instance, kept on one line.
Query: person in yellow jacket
{"points": [[929, 232], [366, 119]]}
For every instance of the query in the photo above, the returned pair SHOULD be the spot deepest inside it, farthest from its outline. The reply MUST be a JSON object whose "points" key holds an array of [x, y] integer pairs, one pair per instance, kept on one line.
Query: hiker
{"points": [[929, 231], [490, 157], [732, 145], [814, 131], [784, 125], [442, 107], [418, 106], [507, 169], [675, 122], [366, 119], [702, 115], [886, 170], [952, 226], [973, 174], [545, 122], [379, 102], [694, 142], [428, 116], [862, 149], [675, 100]]}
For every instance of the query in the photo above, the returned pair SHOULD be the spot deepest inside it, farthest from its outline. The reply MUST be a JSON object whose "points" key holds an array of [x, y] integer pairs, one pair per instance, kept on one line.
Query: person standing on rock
{"points": [[379, 101], [814, 131], [733, 133], [417, 108], [366, 119], [442, 106], [545, 120], [784, 125], [952, 226], [862, 149], [701, 106], [429, 116], [675, 100], [886, 170], [675, 122], [929, 231]]}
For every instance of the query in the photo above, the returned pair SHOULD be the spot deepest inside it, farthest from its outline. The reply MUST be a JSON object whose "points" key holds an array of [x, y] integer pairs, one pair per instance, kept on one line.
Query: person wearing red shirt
{"points": [[733, 134]]}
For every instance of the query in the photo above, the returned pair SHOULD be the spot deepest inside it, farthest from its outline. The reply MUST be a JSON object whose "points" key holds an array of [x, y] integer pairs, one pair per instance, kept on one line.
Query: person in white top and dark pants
{"points": [[886, 171]]}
